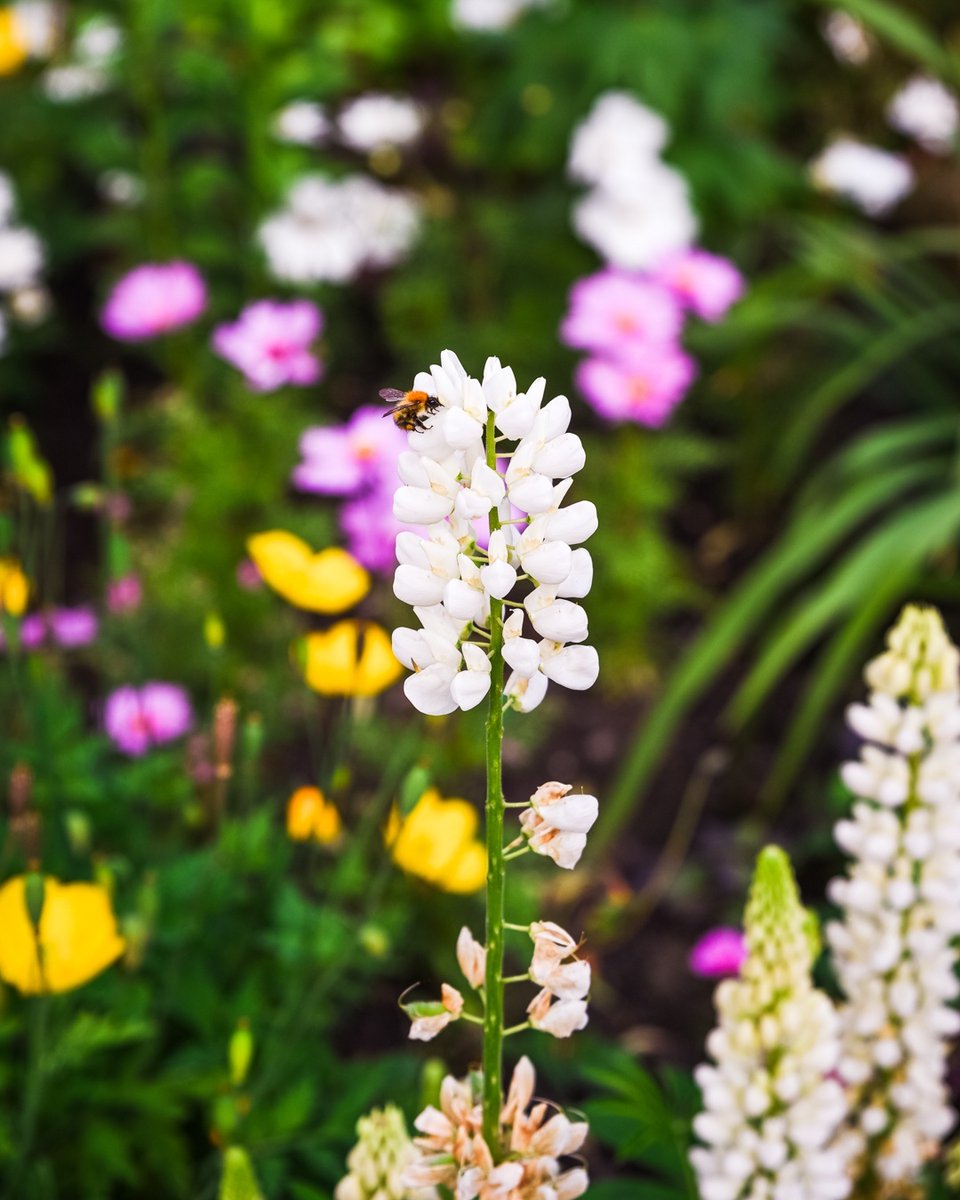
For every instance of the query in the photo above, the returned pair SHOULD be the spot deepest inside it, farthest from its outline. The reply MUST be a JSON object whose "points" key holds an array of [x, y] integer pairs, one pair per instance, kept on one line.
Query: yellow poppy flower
{"points": [[13, 45], [328, 582], [78, 936], [437, 841], [351, 658], [311, 818], [14, 588]]}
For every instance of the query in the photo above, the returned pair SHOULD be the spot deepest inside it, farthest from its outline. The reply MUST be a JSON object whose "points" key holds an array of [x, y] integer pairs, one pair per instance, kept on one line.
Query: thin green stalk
{"points": [[496, 868]]}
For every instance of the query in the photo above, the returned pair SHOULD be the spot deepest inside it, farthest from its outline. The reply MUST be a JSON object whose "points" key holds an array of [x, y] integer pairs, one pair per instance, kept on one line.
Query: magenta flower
{"points": [[644, 387], [343, 460], [73, 627], [371, 529], [270, 343], [612, 310], [705, 283], [33, 631], [721, 951], [248, 575], [152, 299], [124, 595], [137, 719]]}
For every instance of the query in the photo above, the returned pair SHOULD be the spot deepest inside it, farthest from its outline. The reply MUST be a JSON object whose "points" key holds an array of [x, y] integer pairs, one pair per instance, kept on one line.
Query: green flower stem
{"points": [[496, 868]]}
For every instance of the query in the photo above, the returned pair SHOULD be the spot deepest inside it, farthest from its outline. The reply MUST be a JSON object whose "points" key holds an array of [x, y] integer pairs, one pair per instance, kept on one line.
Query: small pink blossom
{"points": [[248, 575], [124, 595], [342, 460], [613, 309], [644, 387], [33, 631], [73, 627], [152, 299], [270, 343], [139, 718], [705, 283], [721, 951]]}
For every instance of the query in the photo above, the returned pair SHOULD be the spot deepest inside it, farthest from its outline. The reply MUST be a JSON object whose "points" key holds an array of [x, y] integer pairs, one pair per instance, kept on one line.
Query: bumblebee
{"points": [[410, 409]]}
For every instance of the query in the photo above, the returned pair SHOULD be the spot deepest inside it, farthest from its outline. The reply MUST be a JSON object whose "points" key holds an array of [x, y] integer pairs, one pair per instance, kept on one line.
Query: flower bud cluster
{"points": [[900, 900], [556, 824], [527, 1165], [772, 1109], [379, 1159], [494, 518]]}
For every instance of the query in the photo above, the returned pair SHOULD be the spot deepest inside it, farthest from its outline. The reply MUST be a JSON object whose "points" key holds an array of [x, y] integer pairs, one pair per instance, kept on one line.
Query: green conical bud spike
{"points": [[239, 1181], [776, 921]]}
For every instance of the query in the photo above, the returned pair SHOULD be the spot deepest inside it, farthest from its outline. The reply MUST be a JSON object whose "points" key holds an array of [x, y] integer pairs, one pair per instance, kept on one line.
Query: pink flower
{"points": [[124, 595], [270, 343], [645, 387], [33, 631], [721, 951], [615, 309], [153, 299], [342, 460], [371, 529], [248, 575], [704, 282], [138, 718], [72, 627]]}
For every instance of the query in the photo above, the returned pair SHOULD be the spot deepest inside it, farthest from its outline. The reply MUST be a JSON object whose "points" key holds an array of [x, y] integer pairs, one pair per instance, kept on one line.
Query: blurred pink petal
{"points": [[153, 299], [721, 951]]}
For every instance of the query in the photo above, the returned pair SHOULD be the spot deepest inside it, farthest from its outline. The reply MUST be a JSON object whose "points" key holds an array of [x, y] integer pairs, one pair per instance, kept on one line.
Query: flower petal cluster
{"points": [[437, 841], [534, 1141], [490, 15], [331, 230], [900, 899], [77, 932], [772, 1108], [556, 824], [270, 343], [378, 1160], [91, 66], [638, 208], [137, 719], [328, 581], [357, 461], [927, 111], [21, 260], [301, 123], [312, 818], [375, 119], [847, 38], [153, 299], [351, 658], [873, 179], [450, 480], [560, 1007]]}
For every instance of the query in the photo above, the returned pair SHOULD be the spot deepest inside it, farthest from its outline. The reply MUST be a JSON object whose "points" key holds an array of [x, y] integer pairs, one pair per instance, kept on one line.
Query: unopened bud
{"points": [[239, 1181], [240, 1053], [107, 396], [214, 632]]}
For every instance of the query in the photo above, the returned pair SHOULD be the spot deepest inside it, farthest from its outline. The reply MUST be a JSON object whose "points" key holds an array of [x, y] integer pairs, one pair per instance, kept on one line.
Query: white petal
{"points": [[573, 524], [410, 647], [574, 667], [475, 657], [561, 621], [410, 549], [526, 693], [498, 579], [561, 456], [429, 690], [533, 494], [550, 562], [462, 601], [522, 655], [419, 506], [414, 586], [469, 688], [580, 580], [460, 430]]}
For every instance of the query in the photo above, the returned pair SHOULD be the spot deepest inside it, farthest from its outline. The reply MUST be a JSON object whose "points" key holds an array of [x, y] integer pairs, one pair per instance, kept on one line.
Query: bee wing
{"points": [[393, 394]]}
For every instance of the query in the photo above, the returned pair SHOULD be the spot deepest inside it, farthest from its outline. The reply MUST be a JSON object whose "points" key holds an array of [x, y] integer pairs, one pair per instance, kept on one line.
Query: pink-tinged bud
{"points": [[430, 1017], [472, 958]]}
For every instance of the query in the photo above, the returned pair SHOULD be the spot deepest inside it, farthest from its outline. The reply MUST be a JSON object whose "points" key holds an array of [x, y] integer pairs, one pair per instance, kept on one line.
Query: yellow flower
{"points": [[14, 588], [328, 582], [311, 818], [437, 841], [351, 658], [78, 936], [13, 45]]}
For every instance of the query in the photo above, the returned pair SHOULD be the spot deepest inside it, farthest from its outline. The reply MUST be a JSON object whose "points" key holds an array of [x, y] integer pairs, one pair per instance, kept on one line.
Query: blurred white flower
{"points": [[927, 111], [615, 142], [99, 39], [30, 304], [8, 200], [21, 258], [330, 230], [376, 119], [490, 14], [846, 37], [122, 188], [874, 179], [38, 23], [89, 70], [74, 81], [302, 123], [377, 1162]]}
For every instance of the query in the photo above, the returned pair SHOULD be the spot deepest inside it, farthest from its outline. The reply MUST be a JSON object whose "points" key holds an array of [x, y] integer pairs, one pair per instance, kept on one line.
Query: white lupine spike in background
{"points": [[900, 900]]}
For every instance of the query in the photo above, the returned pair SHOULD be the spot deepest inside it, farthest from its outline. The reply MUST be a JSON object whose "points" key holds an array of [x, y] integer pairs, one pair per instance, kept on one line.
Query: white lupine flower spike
{"points": [[772, 1106], [900, 902], [494, 579]]}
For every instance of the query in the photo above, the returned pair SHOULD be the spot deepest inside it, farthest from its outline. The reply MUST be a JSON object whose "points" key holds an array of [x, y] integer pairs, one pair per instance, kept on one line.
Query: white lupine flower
{"points": [[375, 119], [900, 901], [559, 1018], [21, 258], [490, 15], [927, 111], [847, 38], [447, 483], [618, 136], [772, 1112], [874, 179], [379, 1159]]}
